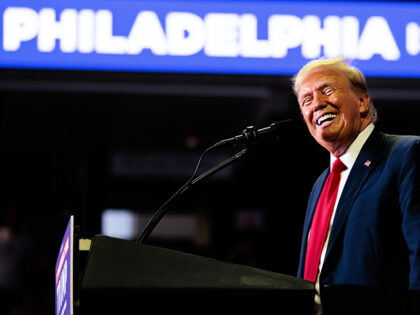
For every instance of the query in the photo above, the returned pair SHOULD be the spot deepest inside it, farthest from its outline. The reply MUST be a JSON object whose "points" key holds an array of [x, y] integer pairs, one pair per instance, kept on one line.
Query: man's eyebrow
{"points": [[325, 84], [303, 95]]}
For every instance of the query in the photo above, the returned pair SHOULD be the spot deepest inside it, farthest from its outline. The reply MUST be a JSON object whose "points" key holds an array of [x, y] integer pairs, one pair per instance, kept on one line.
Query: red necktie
{"points": [[321, 221]]}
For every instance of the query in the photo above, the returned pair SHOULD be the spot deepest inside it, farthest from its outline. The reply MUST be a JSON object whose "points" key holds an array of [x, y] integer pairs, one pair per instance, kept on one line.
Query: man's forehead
{"points": [[319, 78]]}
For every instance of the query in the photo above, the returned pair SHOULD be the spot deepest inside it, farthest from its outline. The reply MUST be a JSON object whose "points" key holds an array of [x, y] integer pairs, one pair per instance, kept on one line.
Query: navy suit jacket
{"points": [[375, 236]]}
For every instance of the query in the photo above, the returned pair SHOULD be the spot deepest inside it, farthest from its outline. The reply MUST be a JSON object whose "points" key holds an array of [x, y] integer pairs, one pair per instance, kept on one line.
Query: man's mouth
{"points": [[324, 118]]}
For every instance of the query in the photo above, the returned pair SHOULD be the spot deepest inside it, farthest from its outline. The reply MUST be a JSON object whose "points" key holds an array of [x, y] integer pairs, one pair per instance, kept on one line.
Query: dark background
{"points": [[60, 133]]}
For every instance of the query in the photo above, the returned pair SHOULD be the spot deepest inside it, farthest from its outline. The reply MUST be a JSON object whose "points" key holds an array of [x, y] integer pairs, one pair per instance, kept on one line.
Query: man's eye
{"points": [[306, 101], [328, 91]]}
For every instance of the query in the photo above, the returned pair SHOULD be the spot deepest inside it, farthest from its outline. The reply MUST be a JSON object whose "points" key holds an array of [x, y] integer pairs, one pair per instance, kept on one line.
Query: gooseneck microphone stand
{"points": [[249, 137]]}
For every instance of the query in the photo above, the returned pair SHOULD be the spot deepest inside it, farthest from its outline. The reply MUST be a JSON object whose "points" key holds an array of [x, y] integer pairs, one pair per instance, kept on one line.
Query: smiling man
{"points": [[361, 238]]}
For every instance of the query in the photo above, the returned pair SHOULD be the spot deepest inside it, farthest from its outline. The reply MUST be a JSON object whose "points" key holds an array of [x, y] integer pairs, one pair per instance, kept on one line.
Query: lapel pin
{"points": [[367, 163]]}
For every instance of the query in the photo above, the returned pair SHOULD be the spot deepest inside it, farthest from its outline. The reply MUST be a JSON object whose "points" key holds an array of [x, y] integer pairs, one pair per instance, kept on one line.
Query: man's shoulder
{"points": [[401, 142], [401, 149], [400, 138]]}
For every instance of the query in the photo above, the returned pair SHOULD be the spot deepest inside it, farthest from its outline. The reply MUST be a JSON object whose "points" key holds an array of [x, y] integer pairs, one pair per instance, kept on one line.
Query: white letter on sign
{"points": [[86, 31], [284, 32], [250, 45], [19, 24], [315, 36], [349, 36], [147, 33], [377, 38], [50, 30], [106, 42], [185, 33], [222, 31], [412, 38]]}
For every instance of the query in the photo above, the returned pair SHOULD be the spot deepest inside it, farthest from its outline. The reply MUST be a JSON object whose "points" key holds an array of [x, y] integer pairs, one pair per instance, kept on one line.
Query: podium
{"points": [[123, 277]]}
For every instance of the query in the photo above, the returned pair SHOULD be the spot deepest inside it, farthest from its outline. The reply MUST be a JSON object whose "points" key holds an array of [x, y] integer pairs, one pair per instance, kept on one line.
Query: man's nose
{"points": [[319, 101]]}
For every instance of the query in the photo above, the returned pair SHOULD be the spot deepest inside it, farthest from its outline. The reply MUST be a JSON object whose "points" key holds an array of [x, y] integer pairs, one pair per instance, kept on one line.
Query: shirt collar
{"points": [[352, 152]]}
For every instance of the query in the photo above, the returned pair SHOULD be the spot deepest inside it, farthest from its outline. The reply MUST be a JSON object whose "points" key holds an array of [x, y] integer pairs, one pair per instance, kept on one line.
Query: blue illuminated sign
{"points": [[252, 37]]}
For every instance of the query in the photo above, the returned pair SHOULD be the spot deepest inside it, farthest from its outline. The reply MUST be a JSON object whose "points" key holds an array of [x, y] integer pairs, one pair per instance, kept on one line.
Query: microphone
{"points": [[250, 135]]}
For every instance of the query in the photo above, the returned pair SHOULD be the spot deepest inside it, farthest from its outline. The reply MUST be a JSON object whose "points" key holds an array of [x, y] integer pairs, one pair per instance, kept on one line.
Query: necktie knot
{"points": [[338, 166]]}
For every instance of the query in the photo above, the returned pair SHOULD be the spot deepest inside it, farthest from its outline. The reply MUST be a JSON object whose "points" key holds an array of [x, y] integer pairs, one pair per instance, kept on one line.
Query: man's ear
{"points": [[364, 104]]}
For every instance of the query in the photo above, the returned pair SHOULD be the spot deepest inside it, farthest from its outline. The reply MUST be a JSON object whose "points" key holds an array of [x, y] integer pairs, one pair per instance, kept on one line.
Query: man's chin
{"points": [[325, 135]]}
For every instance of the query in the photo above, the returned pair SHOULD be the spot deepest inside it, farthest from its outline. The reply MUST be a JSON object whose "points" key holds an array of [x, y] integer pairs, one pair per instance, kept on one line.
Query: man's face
{"points": [[333, 112]]}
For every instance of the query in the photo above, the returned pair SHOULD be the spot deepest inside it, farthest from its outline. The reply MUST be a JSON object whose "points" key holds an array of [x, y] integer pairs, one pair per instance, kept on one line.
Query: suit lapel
{"points": [[366, 162]]}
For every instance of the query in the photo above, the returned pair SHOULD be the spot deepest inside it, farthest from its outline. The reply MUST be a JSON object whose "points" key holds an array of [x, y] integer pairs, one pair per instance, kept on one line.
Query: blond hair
{"points": [[356, 78]]}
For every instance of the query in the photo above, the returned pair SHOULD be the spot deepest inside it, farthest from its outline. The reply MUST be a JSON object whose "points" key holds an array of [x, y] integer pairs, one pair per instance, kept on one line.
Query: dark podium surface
{"points": [[122, 277]]}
